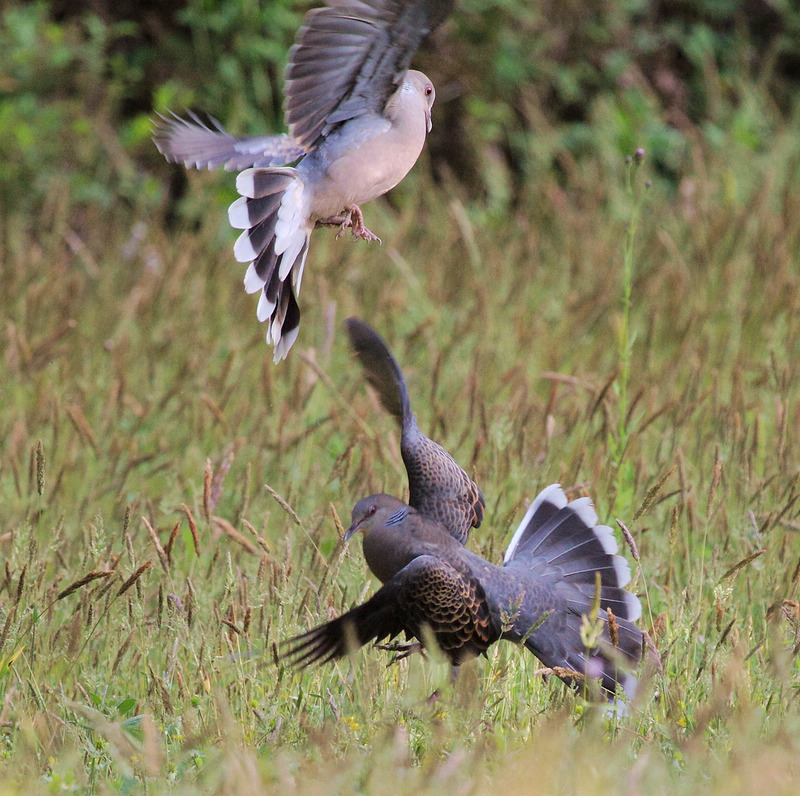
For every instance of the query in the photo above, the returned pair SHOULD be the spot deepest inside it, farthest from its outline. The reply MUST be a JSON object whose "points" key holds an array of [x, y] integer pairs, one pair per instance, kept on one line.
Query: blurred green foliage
{"points": [[524, 88]]}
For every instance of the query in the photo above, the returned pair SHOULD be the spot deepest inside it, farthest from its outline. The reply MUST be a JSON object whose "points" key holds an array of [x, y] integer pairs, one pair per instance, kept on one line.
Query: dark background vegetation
{"points": [[524, 88]]}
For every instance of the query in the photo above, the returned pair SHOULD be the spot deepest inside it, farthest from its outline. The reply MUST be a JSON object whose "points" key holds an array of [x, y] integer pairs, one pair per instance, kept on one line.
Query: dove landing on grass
{"points": [[357, 119], [539, 597]]}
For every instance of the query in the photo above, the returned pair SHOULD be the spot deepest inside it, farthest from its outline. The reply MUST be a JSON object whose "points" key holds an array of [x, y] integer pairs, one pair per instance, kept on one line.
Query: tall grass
{"points": [[172, 503]]}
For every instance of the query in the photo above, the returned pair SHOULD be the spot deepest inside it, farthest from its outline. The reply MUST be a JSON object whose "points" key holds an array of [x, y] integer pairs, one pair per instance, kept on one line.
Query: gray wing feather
{"points": [[209, 146], [358, 50]]}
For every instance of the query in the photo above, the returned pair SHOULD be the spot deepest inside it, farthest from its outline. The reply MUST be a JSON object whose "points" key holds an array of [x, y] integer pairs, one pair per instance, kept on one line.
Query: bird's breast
{"points": [[363, 160]]}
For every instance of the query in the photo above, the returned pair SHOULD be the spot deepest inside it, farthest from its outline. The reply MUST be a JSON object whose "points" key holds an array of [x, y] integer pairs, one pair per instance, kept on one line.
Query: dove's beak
{"points": [[428, 121], [352, 530]]}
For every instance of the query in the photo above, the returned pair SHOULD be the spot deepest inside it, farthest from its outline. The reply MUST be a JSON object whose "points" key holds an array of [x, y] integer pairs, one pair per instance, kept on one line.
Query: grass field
{"points": [[172, 502]]}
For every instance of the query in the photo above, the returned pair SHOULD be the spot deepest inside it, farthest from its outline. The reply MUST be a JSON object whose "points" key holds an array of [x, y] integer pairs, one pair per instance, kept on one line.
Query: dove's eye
{"points": [[428, 90]]}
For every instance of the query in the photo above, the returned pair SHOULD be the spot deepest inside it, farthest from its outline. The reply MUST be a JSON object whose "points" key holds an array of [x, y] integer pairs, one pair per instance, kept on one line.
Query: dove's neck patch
{"points": [[397, 517]]}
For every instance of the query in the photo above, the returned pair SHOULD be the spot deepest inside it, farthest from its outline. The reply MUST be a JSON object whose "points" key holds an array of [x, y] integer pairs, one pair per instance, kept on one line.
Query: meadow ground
{"points": [[172, 502]]}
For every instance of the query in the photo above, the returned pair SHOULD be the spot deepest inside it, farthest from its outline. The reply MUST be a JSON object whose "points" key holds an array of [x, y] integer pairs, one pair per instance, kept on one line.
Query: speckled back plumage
{"points": [[450, 601], [438, 487]]}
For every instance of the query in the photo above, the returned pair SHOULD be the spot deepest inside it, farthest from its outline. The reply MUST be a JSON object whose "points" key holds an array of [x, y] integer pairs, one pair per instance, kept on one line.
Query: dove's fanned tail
{"points": [[273, 213], [562, 542], [202, 145]]}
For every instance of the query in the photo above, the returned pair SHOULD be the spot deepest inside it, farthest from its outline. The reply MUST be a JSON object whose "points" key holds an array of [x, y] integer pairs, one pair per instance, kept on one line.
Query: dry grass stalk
{"points": [[162, 554], [613, 628], [276, 657], [41, 353], [223, 468], [215, 410], [75, 634], [795, 578], [39, 468], [134, 577], [230, 531], [729, 573], [284, 505], [560, 671], [629, 539], [171, 542], [235, 628], [120, 653], [157, 685], [337, 522], [152, 746], [673, 527], [192, 528], [81, 424], [262, 542], [652, 493], [715, 479], [207, 477], [191, 599], [650, 650], [80, 583], [20, 585], [7, 626]]}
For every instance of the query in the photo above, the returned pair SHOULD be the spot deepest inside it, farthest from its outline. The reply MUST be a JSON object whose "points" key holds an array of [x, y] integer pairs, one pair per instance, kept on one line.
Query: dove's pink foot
{"points": [[357, 224], [352, 218]]}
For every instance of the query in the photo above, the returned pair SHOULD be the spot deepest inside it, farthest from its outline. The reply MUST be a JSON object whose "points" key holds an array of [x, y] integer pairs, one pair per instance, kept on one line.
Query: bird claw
{"points": [[401, 650], [353, 219], [357, 224]]}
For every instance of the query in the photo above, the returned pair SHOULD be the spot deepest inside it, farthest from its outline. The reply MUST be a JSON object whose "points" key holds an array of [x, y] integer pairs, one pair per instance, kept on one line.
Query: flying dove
{"points": [[541, 596], [438, 488], [357, 119]]}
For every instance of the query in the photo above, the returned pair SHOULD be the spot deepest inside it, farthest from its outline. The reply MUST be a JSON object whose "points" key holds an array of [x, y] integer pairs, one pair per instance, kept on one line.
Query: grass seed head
{"points": [[81, 582], [192, 528], [134, 577], [629, 540], [207, 478], [40, 468], [613, 628]]}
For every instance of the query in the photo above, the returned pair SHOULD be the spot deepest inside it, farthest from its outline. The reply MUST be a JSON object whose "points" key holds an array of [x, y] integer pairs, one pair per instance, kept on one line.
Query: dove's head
{"points": [[373, 512], [422, 86], [387, 525]]}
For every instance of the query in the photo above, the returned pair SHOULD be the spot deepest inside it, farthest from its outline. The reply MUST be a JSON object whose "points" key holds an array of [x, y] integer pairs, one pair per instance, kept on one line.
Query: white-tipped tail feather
{"points": [[564, 539], [273, 214], [552, 495], [567, 536]]}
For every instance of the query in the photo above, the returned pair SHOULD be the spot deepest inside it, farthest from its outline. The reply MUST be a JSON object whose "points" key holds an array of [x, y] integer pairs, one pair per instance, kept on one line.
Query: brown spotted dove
{"points": [[357, 119], [539, 597]]}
